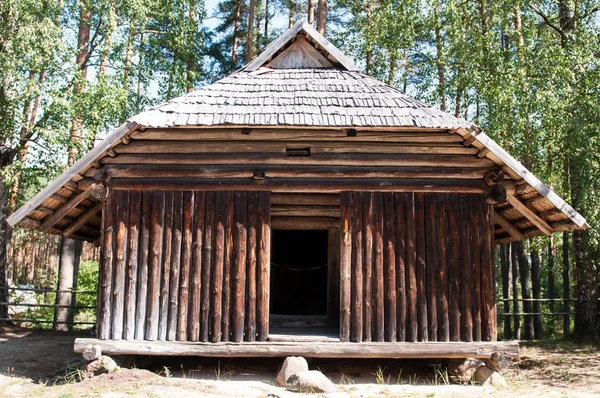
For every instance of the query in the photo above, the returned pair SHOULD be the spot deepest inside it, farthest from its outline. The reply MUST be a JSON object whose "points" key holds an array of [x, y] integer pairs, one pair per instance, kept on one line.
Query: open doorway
{"points": [[300, 282]]}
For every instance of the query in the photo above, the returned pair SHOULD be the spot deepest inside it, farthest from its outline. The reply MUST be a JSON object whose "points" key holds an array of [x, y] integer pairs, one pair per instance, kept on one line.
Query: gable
{"points": [[300, 55]]}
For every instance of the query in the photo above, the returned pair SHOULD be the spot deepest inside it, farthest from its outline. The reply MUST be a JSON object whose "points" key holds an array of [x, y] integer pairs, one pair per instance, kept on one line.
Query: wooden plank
{"points": [[305, 199], [396, 350], [142, 278], [157, 216], [135, 200], [373, 160], [218, 268], [240, 241], [421, 268], [207, 253], [432, 263], [508, 227], [292, 135], [411, 268], [442, 270], [534, 218], [304, 185], [304, 223], [195, 273], [356, 311], [227, 261], [345, 266], [82, 220], [389, 267], [263, 266], [120, 265], [453, 264], [186, 265], [108, 255], [175, 265], [487, 281], [475, 237], [466, 320], [400, 255], [166, 265], [64, 210], [299, 55], [367, 224], [305, 211], [253, 229], [378, 274]]}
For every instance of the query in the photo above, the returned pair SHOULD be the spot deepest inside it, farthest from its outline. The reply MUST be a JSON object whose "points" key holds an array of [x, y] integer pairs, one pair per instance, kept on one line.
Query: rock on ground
{"points": [[310, 381], [487, 377], [290, 366], [104, 364]]}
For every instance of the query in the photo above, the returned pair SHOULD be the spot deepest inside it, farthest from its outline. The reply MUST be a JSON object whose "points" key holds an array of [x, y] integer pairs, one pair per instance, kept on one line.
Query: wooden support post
{"points": [[142, 277], [186, 265], [175, 262], [253, 225], [154, 262], [367, 224], [218, 266], [421, 268], [389, 268], [475, 237], [345, 266], [488, 283], [411, 268], [120, 266], [207, 254], [432, 263], [264, 265], [227, 262], [166, 266], [453, 247], [108, 251], [400, 255], [240, 240], [442, 270], [356, 313], [135, 200], [466, 328]]}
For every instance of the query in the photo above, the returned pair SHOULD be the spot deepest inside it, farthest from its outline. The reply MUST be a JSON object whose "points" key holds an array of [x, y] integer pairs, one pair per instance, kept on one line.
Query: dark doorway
{"points": [[298, 272]]}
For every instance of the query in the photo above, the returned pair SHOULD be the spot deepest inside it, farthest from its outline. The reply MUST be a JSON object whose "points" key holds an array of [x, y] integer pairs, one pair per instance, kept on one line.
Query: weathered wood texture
{"points": [[186, 266], [416, 267]]}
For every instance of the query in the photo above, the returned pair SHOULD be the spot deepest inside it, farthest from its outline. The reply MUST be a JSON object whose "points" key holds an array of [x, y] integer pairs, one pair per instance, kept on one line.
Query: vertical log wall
{"points": [[185, 266], [416, 267]]}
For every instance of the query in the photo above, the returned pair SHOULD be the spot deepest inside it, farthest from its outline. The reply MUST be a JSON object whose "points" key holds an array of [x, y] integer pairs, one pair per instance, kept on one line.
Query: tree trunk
{"points": [[266, 33], [505, 267], [566, 285], [291, 14], [236, 28], [551, 288], [524, 276], [586, 312], [250, 33], [311, 11], [536, 288], [439, 58], [190, 64], [70, 253], [128, 57], [515, 275], [322, 16], [3, 259]]}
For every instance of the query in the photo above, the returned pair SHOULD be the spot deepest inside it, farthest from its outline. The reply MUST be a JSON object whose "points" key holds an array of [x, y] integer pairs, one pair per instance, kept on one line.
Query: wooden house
{"points": [[298, 206]]}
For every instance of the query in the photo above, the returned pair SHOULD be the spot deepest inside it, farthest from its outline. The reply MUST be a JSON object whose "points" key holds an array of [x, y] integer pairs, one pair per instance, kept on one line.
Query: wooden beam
{"points": [[305, 185], [82, 220], [304, 223], [306, 349], [508, 227], [64, 210], [534, 218]]}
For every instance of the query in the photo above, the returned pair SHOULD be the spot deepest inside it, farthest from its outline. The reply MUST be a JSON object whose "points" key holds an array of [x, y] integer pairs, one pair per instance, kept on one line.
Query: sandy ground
{"points": [[34, 363]]}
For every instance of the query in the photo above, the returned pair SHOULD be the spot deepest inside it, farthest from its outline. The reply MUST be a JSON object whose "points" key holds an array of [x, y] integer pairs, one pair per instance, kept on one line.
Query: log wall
{"points": [[416, 267], [185, 266]]}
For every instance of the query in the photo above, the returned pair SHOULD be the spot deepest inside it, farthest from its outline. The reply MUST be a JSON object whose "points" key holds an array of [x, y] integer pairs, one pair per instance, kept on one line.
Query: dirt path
{"points": [[30, 362]]}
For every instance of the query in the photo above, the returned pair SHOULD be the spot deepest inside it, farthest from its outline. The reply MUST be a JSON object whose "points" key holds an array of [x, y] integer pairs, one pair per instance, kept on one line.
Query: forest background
{"points": [[526, 71]]}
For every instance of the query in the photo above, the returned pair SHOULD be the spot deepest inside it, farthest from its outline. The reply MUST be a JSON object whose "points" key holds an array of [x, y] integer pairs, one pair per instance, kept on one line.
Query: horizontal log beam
{"points": [[305, 211], [508, 227], [534, 218], [305, 349], [64, 210], [305, 199], [304, 185], [235, 171], [82, 220], [398, 160], [304, 223], [221, 134], [181, 147]]}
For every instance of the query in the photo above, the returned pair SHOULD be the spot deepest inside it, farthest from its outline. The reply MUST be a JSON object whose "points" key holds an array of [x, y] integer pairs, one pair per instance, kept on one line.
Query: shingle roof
{"points": [[298, 97]]}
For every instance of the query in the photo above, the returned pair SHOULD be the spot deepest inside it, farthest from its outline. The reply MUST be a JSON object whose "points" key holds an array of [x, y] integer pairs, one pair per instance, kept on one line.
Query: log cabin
{"points": [[298, 207]]}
